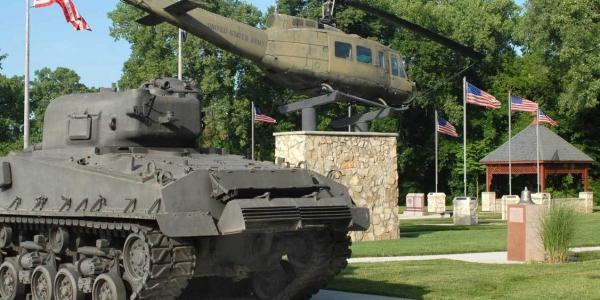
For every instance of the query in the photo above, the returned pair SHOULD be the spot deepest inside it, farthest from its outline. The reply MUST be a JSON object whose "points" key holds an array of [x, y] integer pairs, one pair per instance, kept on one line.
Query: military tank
{"points": [[118, 203]]}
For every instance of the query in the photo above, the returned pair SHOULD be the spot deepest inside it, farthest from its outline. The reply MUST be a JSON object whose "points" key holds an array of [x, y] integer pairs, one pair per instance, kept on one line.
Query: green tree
{"points": [[11, 111], [47, 86], [565, 36]]}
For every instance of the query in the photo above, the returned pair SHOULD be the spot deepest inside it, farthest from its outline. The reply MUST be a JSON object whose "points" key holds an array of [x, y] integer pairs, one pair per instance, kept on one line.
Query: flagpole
{"points": [[509, 143], [537, 152], [465, 135], [253, 113], [26, 108], [436, 150], [349, 115], [180, 55]]}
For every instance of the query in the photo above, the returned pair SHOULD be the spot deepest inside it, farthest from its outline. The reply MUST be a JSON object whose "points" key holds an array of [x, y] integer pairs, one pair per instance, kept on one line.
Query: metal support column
{"points": [[309, 119]]}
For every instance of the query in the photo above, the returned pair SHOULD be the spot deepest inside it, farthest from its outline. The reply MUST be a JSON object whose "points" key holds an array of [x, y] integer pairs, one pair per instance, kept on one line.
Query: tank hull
{"points": [[102, 211]]}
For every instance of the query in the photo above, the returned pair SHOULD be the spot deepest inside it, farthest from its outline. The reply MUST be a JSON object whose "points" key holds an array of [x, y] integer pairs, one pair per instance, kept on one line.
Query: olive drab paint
{"points": [[298, 53]]}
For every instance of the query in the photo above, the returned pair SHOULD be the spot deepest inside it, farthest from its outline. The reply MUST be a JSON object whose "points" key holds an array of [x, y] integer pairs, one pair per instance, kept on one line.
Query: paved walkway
{"points": [[484, 257], [335, 295]]}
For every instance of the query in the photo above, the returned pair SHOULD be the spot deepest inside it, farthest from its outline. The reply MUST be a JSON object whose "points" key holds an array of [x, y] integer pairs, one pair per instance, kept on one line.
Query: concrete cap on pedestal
{"points": [[337, 133]]}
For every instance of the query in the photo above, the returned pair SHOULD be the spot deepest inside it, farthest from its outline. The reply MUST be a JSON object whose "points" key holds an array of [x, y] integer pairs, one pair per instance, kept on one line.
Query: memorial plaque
{"points": [[415, 204], [436, 203], [488, 201], [516, 215], [465, 211]]}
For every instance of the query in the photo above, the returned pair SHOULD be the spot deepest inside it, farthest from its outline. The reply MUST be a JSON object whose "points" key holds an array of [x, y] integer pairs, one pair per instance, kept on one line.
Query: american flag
{"points": [[260, 117], [71, 14], [481, 98], [445, 127], [520, 104], [543, 118]]}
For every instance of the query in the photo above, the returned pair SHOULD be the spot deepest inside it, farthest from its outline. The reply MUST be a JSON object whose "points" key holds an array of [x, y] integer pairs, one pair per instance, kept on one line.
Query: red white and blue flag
{"points": [[543, 118], [445, 127], [71, 14], [478, 97], [520, 104], [260, 117]]}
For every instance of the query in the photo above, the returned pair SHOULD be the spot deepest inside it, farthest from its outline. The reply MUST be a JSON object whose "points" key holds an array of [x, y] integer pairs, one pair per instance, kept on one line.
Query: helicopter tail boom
{"points": [[225, 33]]}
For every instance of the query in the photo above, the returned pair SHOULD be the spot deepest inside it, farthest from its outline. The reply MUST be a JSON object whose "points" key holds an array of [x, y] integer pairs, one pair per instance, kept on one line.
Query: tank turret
{"points": [[161, 113]]}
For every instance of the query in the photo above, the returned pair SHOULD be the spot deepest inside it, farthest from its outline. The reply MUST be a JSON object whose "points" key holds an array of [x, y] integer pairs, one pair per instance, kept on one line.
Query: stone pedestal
{"points": [[588, 198], [436, 203], [506, 201], [465, 211], [524, 236], [415, 204], [365, 162], [488, 201], [541, 198]]}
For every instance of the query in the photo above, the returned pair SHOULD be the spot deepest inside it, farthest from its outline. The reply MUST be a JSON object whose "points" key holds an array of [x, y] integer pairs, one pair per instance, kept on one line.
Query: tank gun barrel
{"points": [[225, 33]]}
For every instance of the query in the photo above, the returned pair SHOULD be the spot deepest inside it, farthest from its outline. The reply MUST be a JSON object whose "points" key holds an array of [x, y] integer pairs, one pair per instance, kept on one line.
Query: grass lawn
{"points": [[438, 236], [445, 279]]}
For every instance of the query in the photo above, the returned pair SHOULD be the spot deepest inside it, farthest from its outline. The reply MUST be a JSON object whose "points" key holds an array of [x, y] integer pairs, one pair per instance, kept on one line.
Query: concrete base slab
{"points": [[499, 257], [411, 213], [335, 295], [426, 216]]}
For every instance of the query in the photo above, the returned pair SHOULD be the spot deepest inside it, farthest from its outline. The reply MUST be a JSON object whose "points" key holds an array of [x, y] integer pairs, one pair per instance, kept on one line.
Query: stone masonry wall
{"points": [[364, 162]]}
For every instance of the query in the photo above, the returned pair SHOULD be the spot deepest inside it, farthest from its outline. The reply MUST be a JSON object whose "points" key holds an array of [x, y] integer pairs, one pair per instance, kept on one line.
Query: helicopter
{"points": [[309, 56]]}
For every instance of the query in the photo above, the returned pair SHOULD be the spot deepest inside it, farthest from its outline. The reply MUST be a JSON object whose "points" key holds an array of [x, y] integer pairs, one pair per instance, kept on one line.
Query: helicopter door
{"points": [[398, 80], [382, 64], [367, 67]]}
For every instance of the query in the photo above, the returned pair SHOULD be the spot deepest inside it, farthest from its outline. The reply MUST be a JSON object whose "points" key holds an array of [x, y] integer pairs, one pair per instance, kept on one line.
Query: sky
{"points": [[94, 55]]}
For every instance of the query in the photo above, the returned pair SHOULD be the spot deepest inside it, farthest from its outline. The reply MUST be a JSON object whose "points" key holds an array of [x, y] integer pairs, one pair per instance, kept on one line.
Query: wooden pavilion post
{"points": [[586, 178], [488, 178]]}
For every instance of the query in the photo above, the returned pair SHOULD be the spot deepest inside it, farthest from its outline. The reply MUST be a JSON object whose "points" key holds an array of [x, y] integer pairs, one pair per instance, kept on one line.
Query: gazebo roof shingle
{"points": [[552, 148]]}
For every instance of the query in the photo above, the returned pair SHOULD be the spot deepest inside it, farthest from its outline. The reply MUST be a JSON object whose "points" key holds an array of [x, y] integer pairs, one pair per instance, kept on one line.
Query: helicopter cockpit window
{"points": [[395, 65], [364, 55], [343, 50], [402, 70]]}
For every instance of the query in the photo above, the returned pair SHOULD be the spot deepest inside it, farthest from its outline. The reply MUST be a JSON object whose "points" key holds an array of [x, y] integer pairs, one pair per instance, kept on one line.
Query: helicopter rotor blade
{"points": [[397, 21]]}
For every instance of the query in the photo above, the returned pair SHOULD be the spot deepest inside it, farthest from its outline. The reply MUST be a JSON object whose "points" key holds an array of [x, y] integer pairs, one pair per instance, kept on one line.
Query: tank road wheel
{"points": [[42, 283], [65, 284], [6, 235], [10, 287], [59, 239], [108, 286], [136, 258]]}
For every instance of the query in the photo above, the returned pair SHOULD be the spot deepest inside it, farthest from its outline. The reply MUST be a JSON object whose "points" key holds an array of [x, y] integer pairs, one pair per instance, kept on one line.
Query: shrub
{"points": [[558, 230]]}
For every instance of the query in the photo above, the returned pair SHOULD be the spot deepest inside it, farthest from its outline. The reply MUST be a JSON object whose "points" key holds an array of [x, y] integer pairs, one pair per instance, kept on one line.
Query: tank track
{"points": [[331, 249], [331, 253], [172, 267], [171, 261]]}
